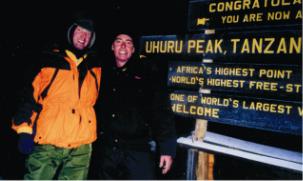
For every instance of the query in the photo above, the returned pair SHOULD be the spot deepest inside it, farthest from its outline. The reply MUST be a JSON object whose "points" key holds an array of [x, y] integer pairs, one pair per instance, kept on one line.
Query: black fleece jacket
{"points": [[134, 109]]}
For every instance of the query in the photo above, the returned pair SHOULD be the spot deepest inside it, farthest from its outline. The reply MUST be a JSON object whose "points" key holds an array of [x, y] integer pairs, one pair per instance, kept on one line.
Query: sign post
{"points": [[204, 166]]}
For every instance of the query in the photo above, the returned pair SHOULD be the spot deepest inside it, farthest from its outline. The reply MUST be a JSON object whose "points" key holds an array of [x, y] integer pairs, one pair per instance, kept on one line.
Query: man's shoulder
{"points": [[93, 59], [53, 57], [51, 49]]}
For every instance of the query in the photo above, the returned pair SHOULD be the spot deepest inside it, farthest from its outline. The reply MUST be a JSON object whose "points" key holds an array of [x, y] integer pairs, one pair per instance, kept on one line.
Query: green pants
{"points": [[48, 162]]}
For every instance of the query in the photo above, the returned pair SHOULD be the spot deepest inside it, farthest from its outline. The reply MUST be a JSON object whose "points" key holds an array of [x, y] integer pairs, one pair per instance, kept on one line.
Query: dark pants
{"points": [[116, 163]]}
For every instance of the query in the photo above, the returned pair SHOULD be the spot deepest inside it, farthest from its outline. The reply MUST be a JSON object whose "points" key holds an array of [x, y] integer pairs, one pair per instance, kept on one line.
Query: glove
{"points": [[25, 143]]}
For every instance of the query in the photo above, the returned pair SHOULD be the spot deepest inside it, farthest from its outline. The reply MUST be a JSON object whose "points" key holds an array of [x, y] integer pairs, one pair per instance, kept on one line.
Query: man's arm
{"points": [[163, 122]]}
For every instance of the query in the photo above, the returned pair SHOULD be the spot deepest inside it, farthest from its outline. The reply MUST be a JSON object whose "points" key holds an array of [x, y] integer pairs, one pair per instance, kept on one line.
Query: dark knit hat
{"points": [[86, 23]]}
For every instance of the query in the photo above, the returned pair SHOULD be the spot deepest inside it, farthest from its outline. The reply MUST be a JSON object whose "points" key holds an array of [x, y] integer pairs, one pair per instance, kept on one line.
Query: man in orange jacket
{"points": [[57, 122]]}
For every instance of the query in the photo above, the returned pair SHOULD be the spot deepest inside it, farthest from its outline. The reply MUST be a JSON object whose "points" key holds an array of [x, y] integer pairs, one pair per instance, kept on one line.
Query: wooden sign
{"points": [[257, 75], [243, 14], [259, 113], [261, 80], [266, 47]]}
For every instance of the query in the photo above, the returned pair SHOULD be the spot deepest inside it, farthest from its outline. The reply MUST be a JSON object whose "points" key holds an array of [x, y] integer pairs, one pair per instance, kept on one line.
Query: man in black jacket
{"points": [[132, 114]]}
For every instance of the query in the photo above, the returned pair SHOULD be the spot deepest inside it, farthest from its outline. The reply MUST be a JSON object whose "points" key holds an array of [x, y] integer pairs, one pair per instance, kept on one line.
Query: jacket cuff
{"points": [[168, 147], [23, 128]]}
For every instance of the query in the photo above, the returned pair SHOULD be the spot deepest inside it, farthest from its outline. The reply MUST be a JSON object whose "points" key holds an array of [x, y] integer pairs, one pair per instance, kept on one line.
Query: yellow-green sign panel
{"points": [[266, 47], [265, 114], [243, 14], [261, 80]]}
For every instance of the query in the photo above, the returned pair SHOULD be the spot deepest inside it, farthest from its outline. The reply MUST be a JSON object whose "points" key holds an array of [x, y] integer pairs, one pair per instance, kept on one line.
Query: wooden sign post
{"points": [[204, 167]]}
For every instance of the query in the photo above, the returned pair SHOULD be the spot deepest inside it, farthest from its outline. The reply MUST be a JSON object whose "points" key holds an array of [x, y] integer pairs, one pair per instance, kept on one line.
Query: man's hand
{"points": [[166, 162]]}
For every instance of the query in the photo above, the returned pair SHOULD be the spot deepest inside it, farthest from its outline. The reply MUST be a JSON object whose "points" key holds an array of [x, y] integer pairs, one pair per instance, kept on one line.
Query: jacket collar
{"points": [[74, 58]]}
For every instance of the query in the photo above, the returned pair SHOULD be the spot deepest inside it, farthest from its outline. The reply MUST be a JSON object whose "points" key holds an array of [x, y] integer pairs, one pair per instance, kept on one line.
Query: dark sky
{"points": [[28, 22]]}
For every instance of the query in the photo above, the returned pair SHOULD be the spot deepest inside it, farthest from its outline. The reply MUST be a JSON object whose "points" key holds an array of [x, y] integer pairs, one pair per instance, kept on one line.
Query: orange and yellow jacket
{"points": [[65, 115]]}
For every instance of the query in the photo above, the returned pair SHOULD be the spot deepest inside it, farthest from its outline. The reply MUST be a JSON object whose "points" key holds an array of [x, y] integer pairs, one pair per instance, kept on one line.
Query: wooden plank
{"points": [[261, 153], [261, 80], [253, 147], [245, 14], [202, 166], [259, 113], [259, 47]]}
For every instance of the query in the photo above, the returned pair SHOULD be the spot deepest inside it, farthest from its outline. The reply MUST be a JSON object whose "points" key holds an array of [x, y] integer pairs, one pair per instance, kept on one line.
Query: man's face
{"points": [[81, 38], [123, 48]]}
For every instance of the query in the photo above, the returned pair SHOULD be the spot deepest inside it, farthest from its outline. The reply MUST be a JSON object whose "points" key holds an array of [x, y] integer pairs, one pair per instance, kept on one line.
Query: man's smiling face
{"points": [[123, 48], [81, 38]]}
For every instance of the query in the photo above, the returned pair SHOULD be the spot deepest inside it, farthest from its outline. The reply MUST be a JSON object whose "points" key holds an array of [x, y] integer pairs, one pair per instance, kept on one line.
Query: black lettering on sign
{"points": [[247, 14], [265, 114]]}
